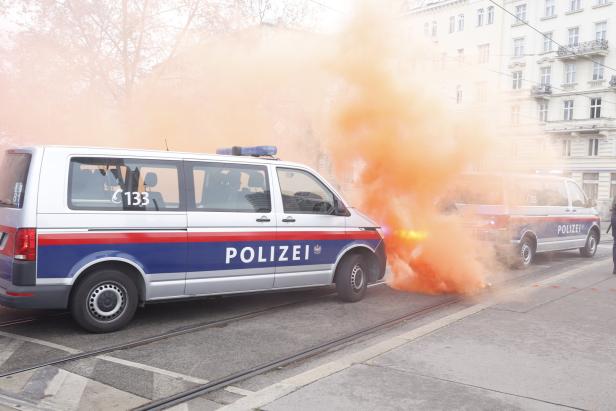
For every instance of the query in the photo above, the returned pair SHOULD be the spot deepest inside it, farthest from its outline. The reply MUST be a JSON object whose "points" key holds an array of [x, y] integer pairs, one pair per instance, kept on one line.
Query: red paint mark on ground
{"points": [[556, 286]]}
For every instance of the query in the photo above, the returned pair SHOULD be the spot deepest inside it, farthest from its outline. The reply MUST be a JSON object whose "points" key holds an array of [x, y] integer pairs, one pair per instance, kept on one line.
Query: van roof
{"points": [[163, 154]]}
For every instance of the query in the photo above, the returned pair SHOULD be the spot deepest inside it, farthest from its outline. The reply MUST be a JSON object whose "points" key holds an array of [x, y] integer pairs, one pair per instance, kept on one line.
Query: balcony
{"points": [[541, 91], [587, 48], [582, 126]]}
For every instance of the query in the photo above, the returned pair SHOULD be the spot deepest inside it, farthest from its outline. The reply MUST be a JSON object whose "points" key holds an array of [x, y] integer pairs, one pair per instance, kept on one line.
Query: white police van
{"points": [[526, 214], [100, 231]]}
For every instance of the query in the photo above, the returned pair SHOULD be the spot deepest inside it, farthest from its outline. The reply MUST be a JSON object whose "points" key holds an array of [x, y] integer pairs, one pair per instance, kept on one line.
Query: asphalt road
{"points": [[285, 322]]}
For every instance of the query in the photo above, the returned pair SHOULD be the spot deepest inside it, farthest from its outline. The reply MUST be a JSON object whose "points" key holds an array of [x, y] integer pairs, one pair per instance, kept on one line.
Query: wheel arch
{"points": [[128, 267], [530, 234], [365, 251]]}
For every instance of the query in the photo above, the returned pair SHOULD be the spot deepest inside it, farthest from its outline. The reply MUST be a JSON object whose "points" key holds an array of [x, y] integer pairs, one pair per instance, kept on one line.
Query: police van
{"points": [[526, 214], [100, 231]]}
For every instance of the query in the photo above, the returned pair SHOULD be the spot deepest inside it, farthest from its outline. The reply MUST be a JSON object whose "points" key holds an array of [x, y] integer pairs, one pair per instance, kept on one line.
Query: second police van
{"points": [[101, 231], [526, 214]]}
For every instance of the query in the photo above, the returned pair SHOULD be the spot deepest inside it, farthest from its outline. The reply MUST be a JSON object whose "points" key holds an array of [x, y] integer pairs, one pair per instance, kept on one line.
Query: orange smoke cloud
{"points": [[354, 92], [408, 147]]}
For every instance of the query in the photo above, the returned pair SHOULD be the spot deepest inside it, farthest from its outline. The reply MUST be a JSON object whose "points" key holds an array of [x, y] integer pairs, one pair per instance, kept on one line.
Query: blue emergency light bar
{"points": [[256, 151]]}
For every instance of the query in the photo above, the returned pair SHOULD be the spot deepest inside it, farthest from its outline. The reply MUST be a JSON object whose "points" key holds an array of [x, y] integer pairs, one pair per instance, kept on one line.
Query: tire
{"points": [[526, 253], [104, 301], [589, 250], [352, 278]]}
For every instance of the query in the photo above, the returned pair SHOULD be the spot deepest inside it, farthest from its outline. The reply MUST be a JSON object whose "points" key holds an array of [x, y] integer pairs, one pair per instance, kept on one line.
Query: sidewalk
{"points": [[550, 346]]}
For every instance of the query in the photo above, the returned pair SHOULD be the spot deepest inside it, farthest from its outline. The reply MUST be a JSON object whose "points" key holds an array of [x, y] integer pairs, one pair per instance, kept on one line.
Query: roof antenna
{"points": [[166, 145]]}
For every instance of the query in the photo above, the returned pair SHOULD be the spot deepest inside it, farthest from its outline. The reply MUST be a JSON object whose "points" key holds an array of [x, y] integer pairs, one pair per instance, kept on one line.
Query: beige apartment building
{"points": [[555, 65]]}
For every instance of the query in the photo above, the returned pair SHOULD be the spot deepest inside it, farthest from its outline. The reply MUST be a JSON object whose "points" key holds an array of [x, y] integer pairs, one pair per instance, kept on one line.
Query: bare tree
{"points": [[111, 45]]}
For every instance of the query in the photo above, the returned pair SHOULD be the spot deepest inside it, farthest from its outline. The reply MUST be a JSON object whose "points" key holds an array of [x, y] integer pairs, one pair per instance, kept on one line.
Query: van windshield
{"points": [[13, 175], [476, 190]]}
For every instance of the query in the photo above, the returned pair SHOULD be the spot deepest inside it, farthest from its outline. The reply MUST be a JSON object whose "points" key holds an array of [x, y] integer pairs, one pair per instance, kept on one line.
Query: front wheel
{"points": [[105, 301], [590, 248], [352, 278]]}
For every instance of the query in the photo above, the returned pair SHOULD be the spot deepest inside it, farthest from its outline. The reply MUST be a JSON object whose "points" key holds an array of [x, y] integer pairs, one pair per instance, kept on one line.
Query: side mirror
{"points": [[340, 209]]}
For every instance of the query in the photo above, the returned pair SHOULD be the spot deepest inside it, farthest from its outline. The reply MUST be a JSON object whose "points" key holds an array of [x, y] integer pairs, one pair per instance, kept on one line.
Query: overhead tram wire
{"points": [[547, 37]]}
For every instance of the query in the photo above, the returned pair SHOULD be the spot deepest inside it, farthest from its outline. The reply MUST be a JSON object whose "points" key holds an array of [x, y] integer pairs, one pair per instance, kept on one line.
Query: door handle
{"points": [[574, 210], [263, 219], [288, 219]]}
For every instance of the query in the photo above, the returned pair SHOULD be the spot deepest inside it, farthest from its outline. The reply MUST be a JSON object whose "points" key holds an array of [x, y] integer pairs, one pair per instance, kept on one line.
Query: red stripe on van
{"points": [[140, 238], [558, 219], [109, 238]]}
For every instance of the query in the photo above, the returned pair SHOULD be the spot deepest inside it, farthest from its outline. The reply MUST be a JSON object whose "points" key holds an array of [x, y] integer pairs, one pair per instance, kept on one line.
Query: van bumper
{"points": [[39, 297], [381, 256]]}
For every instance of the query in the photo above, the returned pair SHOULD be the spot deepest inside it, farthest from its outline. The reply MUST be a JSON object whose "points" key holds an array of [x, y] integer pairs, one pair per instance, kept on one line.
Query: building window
{"points": [[568, 110], [482, 91], [484, 53], [547, 42], [601, 2], [517, 80], [590, 184], [452, 24], [479, 17], [543, 111], [601, 31], [460, 56], [458, 94], [550, 8], [490, 14], [427, 29], [597, 68], [593, 147], [595, 107], [566, 148], [570, 73], [515, 115], [546, 76], [612, 186], [575, 5], [520, 13], [460, 22], [574, 36], [434, 29], [518, 47]]}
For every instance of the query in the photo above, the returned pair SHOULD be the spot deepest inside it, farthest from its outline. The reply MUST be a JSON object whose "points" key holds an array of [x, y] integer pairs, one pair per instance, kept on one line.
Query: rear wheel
{"points": [[526, 253], [104, 301], [352, 278], [590, 248]]}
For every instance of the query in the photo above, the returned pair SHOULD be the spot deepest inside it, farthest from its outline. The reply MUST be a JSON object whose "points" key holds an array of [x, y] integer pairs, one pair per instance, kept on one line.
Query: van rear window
{"points": [[13, 176]]}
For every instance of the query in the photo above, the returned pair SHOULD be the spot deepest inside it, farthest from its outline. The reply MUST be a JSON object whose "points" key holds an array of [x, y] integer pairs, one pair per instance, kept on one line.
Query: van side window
{"points": [[555, 193], [539, 192], [578, 199], [304, 193], [226, 187], [116, 184]]}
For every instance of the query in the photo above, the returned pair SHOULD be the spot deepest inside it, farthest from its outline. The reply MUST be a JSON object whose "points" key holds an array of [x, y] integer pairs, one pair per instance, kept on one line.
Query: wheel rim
{"points": [[357, 278], [526, 254], [107, 301], [592, 244]]}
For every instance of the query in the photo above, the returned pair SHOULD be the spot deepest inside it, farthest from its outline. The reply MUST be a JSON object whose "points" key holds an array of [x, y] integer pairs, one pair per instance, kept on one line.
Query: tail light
{"points": [[499, 221], [25, 244]]}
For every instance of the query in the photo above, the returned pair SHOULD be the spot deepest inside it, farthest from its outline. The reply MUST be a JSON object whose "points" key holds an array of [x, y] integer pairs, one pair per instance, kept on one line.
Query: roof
{"points": [[162, 154]]}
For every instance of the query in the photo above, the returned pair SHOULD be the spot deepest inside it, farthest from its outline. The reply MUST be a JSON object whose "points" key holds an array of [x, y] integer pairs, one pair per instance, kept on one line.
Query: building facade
{"points": [[557, 66]]}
